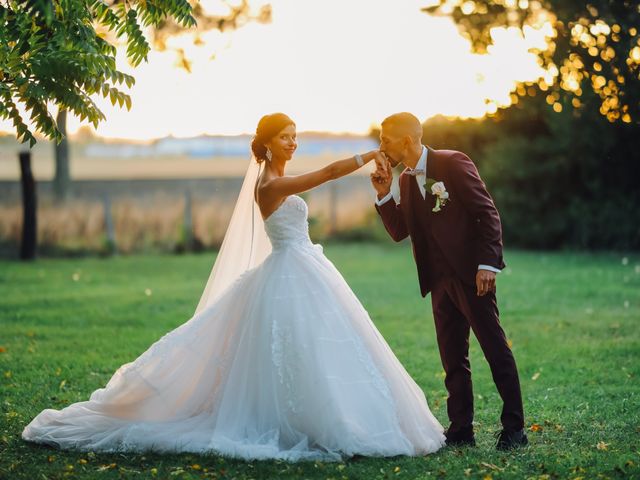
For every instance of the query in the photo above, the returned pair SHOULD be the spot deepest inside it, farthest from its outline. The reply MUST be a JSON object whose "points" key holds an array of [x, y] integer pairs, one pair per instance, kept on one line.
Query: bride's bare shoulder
{"points": [[267, 201]]}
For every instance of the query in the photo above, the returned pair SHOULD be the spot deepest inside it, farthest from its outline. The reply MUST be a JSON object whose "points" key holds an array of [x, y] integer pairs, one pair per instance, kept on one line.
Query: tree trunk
{"points": [[29, 224], [62, 179]]}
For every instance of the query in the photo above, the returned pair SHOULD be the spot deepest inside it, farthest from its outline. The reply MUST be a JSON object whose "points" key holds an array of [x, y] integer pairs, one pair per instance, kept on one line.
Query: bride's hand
{"points": [[382, 176], [381, 161], [383, 168]]}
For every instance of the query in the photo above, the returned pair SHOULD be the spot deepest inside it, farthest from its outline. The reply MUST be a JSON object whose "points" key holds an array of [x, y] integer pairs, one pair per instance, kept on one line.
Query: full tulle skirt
{"points": [[286, 364]]}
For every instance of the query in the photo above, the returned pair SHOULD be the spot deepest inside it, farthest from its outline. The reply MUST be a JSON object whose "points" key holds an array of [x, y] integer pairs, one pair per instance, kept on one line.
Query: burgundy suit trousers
{"points": [[457, 309]]}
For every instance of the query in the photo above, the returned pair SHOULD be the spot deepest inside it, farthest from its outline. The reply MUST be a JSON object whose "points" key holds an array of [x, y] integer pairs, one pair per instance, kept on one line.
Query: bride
{"points": [[280, 359]]}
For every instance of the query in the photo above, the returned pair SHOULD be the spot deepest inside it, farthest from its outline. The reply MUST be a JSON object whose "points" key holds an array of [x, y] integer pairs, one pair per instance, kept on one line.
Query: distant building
{"points": [[227, 146]]}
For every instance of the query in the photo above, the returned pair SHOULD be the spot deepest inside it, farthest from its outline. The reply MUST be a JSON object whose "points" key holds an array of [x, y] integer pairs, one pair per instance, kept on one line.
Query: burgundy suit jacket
{"points": [[467, 229]]}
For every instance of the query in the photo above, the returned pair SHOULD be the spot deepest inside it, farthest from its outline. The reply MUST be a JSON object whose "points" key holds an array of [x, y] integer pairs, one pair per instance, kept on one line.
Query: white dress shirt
{"points": [[422, 179]]}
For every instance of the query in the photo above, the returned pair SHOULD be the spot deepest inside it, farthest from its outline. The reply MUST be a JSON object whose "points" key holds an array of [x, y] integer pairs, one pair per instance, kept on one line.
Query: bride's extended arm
{"points": [[291, 184]]}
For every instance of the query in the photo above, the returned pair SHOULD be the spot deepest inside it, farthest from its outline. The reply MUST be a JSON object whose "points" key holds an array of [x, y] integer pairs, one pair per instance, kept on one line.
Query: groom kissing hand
{"points": [[381, 179], [456, 239]]}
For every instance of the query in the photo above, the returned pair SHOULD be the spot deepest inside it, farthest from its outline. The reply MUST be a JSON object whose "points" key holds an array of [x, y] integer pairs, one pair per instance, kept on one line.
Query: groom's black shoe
{"points": [[508, 439], [460, 438]]}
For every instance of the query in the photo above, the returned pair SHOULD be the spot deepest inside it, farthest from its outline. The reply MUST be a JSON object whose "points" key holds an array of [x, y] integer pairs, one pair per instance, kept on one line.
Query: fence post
{"points": [[188, 222], [29, 205], [110, 232]]}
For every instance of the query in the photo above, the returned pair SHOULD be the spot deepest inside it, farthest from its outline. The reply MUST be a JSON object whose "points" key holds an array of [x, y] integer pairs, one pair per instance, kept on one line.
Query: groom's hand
{"points": [[485, 282]]}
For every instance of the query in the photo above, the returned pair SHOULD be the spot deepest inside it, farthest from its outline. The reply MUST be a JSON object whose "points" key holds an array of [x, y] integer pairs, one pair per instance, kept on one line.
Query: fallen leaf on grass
{"points": [[491, 466], [602, 446]]}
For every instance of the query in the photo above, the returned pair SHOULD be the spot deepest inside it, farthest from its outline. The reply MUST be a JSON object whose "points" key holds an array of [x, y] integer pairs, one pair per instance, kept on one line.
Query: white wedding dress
{"points": [[285, 364]]}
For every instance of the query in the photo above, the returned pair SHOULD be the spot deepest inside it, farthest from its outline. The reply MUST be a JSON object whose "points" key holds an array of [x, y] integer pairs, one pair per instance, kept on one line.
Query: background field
{"points": [[67, 324]]}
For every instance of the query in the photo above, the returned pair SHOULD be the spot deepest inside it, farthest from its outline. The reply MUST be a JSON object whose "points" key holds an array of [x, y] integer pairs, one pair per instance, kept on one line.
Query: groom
{"points": [[456, 239]]}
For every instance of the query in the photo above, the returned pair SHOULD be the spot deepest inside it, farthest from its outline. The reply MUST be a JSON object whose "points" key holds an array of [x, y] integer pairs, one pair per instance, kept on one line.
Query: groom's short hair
{"points": [[403, 123]]}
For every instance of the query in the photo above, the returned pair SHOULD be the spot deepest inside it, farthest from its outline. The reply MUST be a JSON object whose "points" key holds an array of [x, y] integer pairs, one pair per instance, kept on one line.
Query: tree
{"points": [[592, 47], [59, 52], [564, 176], [50, 53], [62, 52]]}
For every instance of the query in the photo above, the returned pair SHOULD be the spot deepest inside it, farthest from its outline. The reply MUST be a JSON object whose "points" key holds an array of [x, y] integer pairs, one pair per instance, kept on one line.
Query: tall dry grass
{"points": [[157, 225]]}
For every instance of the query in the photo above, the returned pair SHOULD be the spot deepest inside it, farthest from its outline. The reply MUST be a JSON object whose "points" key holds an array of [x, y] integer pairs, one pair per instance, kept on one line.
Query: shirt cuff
{"points": [[490, 268], [384, 199]]}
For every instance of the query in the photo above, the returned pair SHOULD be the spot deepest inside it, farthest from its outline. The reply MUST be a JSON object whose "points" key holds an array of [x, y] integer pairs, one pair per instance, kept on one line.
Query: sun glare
{"points": [[331, 65]]}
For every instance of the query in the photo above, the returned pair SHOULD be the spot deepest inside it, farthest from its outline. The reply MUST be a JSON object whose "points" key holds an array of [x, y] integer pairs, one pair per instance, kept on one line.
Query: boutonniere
{"points": [[438, 189]]}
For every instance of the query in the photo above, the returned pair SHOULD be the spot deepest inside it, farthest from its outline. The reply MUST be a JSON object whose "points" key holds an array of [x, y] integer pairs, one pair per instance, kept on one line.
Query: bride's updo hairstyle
{"points": [[268, 127]]}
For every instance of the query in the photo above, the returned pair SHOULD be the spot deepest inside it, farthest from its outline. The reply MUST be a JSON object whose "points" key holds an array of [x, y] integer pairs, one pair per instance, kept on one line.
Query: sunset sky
{"points": [[331, 65]]}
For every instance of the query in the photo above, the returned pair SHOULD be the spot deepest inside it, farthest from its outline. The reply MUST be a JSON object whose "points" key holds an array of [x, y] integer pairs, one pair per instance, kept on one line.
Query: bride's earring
{"points": [[269, 155]]}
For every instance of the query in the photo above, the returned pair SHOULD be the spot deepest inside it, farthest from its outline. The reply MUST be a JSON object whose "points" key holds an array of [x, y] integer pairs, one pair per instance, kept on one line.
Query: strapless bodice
{"points": [[288, 225]]}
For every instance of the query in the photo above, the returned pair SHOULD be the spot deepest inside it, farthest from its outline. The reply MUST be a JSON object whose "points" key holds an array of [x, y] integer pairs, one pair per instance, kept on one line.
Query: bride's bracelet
{"points": [[359, 160]]}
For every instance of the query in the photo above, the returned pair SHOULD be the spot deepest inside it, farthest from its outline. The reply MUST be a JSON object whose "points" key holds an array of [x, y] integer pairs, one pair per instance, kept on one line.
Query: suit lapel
{"points": [[410, 191], [415, 205], [432, 164], [433, 172], [406, 195]]}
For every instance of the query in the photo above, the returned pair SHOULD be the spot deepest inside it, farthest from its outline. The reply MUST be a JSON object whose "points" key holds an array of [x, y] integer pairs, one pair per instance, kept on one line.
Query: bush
{"points": [[559, 180]]}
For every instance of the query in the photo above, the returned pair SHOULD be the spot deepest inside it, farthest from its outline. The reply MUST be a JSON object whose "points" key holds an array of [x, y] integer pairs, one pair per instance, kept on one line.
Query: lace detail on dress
{"points": [[282, 340], [288, 227]]}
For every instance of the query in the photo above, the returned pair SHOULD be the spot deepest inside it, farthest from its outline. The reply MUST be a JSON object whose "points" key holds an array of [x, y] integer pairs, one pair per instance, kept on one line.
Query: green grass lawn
{"points": [[573, 319]]}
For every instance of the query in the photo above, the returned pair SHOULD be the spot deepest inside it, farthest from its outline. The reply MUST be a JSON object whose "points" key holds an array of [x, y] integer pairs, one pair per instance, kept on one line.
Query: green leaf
{"points": [[429, 183]]}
